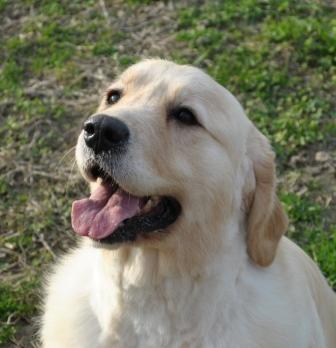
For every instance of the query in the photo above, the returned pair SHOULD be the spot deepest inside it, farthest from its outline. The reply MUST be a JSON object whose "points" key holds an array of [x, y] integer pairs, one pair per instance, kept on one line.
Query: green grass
{"points": [[277, 57], [17, 301]]}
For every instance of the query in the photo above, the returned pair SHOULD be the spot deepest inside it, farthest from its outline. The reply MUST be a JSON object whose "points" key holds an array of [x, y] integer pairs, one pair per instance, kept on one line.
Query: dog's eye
{"points": [[185, 116], [113, 96]]}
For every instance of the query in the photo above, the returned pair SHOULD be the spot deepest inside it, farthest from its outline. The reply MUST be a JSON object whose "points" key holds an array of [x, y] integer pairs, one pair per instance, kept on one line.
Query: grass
{"points": [[277, 57]]}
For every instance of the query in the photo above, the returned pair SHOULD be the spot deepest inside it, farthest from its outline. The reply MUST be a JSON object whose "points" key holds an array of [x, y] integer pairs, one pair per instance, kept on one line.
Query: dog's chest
{"points": [[169, 314]]}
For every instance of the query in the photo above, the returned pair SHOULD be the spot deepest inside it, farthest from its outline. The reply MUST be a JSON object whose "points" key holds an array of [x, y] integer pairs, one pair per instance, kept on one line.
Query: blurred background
{"points": [[277, 56]]}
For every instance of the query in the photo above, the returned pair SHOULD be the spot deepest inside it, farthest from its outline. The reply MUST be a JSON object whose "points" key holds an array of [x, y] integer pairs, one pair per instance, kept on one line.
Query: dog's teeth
{"points": [[148, 206]]}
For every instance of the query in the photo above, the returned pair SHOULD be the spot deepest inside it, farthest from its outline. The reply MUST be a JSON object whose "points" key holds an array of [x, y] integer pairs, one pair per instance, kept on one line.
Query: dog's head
{"points": [[172, 159]]}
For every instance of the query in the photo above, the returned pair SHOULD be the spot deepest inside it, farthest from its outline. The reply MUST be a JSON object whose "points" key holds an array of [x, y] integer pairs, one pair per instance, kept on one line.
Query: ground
{"points": [[277, 57]]}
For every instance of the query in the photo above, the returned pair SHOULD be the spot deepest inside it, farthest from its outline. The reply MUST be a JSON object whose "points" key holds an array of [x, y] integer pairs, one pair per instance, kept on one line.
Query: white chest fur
{"points": [[103, 300], [136, 306], [146, 309]]}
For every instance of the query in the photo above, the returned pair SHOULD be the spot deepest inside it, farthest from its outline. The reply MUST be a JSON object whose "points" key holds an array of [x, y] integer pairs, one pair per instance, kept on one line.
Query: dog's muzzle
{"points": [[112, 214]]}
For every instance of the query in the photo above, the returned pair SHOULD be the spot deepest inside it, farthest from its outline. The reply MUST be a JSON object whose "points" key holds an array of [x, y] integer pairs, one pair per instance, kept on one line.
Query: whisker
{"points": [[70, 176], [66, 154]]}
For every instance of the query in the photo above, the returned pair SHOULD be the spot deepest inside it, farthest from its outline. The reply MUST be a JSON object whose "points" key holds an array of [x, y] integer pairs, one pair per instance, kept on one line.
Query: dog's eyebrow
{"points": [[114, 85], [115, 81]]}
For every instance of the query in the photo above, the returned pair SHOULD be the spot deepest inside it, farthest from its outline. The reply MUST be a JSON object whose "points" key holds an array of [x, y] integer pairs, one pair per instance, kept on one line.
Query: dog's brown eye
{"points": [[113, 97], [185, 116]]}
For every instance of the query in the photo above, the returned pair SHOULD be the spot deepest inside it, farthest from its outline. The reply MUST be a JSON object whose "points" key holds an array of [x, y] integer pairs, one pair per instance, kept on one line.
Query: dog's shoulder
{"points": [[67, 313], [304, 271]]}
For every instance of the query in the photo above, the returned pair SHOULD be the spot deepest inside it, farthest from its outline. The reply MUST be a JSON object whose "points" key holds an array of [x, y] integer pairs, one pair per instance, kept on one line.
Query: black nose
{"points": [[102, 133]]}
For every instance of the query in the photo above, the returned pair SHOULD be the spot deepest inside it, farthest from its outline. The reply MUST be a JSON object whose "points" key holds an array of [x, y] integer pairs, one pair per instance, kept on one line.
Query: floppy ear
{"points": [[266, 219]]}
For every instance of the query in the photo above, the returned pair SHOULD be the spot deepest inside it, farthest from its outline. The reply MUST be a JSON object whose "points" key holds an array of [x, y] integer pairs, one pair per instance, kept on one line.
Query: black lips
{"points": [[160, 218]]}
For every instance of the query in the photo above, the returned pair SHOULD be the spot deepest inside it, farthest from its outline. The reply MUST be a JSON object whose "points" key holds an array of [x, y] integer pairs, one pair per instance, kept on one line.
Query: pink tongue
{"points": [[100, 215]]}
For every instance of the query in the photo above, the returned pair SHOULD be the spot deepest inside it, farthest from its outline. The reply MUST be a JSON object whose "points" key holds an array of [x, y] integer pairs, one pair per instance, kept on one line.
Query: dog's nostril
{"points": [[89, 128]]}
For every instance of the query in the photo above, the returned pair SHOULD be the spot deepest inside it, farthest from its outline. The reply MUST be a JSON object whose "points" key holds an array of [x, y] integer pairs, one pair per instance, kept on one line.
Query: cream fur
{"points": [[203, 284]]}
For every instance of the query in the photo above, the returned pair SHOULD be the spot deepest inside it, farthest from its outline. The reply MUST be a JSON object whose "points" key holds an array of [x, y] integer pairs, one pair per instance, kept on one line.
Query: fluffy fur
{"points": [[223, 275]]}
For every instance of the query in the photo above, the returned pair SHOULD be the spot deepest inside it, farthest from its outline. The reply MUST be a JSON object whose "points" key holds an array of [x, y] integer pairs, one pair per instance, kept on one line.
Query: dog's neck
{"points": [[144, 265]]}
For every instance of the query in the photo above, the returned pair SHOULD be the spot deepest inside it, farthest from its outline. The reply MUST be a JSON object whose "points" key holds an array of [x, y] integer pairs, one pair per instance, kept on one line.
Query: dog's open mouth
{"points": [[112, 215]]}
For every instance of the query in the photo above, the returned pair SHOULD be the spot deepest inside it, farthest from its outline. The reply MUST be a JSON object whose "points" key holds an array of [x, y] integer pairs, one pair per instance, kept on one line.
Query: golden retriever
{"points": [[182, 237]]}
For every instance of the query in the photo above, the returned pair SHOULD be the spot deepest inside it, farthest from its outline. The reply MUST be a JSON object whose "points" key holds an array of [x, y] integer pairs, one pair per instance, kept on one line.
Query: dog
{"points": [[182, 237]]}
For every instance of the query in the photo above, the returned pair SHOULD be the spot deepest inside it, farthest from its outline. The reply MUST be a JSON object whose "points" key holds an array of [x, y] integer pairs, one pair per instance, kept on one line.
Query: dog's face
{"points": [[172, 158]]}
